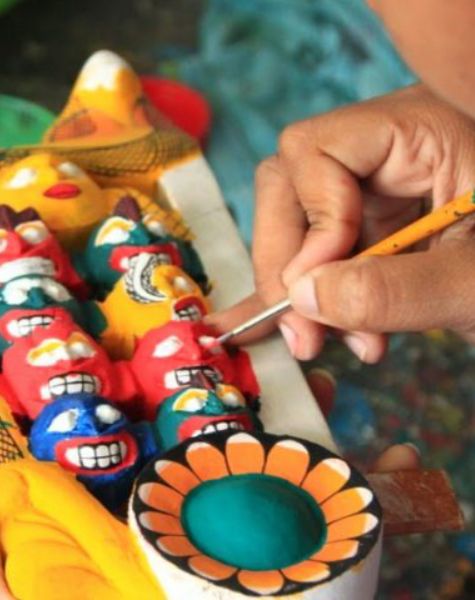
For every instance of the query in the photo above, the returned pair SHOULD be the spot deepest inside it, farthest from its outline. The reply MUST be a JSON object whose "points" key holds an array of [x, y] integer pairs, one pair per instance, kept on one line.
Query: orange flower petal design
{"points": [[288, 459], [161, 497], [245, 454], [345, 503], [161, 523], [210, 568], [326, 478], [261, 582], [351, 527], [307, 571], [206, 461], [176, 545], [176, 475], [335, 551]]}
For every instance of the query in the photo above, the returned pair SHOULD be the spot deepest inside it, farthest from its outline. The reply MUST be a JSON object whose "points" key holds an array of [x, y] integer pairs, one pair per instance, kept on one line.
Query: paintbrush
{"points": [[404, 238]]}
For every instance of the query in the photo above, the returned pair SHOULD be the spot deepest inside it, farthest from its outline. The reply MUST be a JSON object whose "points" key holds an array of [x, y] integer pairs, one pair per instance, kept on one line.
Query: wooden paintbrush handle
{"points": [[425, 227]]}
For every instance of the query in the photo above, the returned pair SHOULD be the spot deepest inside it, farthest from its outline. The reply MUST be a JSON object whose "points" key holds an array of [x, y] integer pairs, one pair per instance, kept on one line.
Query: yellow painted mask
{"points": [[66, 198], [148, 295]]}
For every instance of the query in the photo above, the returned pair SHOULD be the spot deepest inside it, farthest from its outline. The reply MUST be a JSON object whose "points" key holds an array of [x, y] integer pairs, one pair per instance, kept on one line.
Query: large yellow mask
{"points": [[148, 295], [67, 199]]}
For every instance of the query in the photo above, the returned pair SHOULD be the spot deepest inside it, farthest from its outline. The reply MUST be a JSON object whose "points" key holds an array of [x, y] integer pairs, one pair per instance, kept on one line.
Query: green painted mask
{"points": [[115, 243], [31, 301], [198, 411]]}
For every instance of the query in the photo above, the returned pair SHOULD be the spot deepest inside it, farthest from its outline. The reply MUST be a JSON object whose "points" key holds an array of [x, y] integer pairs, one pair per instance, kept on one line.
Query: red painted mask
{"points": [[172, 357], [60, 359], [28, 248]]}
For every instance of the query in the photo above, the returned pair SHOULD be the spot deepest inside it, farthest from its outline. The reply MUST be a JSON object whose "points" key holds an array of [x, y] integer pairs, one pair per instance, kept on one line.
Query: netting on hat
{"points": [[9, 449], [135, 156]]}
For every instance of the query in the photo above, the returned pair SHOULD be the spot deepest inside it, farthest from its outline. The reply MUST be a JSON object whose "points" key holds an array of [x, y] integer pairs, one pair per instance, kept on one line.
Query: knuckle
{"points": [[292, 141], [365, 292]]}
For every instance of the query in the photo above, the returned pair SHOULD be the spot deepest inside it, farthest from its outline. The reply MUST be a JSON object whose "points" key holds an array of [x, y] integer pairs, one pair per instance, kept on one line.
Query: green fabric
{"points": [[253, 521], [22, 122]]}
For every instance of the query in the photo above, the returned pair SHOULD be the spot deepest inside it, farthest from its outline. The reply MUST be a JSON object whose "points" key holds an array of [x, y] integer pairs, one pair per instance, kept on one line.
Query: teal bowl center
{"points": [[256, 522]]}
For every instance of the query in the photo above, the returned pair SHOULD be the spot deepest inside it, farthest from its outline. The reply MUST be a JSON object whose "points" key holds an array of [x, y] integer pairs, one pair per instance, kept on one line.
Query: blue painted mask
{"points": [[89, 436]]}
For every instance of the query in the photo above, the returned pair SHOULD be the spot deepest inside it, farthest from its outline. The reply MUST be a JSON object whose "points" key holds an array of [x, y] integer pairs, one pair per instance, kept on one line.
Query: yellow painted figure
{"points": [[147, 296], [59, 542], [67, 199], [108, 109]]}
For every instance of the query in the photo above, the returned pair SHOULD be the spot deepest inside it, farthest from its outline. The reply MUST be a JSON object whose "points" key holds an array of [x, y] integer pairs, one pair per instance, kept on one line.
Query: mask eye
{"points": [[168, 347], [108, 414], [16, 292], [230, 396], [32, 232], [115, 230], [191, 401], [55, 290], [155, 226], [64, 422], [71, 170], [22, 178], [183, 284]]}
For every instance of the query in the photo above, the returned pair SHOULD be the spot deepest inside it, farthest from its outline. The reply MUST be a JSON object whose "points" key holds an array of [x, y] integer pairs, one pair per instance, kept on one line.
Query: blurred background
{"points": [[261, 64]]}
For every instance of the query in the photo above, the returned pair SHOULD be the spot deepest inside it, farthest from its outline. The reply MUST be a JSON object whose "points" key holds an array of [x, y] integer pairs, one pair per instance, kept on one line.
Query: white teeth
{"points": [[74, 383], [185, 375], [25, 325], [190, 313], [221, 426], [45, 393], [98, 456], [138, 279], [72, 456], [86, 452], [123, 450], [102, 451]]}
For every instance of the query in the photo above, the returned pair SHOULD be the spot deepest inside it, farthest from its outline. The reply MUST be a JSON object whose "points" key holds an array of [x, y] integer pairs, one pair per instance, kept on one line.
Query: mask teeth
{"points": [[73, 383], [190, 313], [98, 456], [218, 426], [25, 325], [185, 375]]}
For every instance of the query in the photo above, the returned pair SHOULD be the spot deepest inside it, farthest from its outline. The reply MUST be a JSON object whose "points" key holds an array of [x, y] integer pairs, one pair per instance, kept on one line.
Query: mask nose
{"points": [[213, 405], [37, 298]]}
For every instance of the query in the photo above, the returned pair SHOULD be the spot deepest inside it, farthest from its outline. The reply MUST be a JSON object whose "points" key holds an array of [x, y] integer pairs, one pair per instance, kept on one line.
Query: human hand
{"points": [[343, 181]]}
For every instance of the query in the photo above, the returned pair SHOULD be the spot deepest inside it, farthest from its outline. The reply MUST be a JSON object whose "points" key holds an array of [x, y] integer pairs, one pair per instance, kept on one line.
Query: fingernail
{"points": [[413, 446], [290, 337], [303, 296], [356, 345]]}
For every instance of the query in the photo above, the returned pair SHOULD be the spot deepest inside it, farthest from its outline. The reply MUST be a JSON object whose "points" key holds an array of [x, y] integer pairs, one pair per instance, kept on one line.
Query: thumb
{"points": [[411, 292]]}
